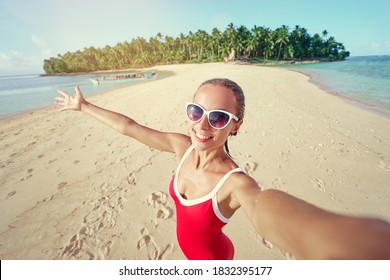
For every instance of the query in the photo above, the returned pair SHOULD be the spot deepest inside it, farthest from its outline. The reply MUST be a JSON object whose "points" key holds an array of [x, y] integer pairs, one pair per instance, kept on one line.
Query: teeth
{"points": [[200, 136]]}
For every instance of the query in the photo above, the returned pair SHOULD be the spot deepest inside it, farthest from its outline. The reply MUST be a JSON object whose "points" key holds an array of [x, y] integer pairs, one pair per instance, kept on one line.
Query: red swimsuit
{"points": [[200, 223]]}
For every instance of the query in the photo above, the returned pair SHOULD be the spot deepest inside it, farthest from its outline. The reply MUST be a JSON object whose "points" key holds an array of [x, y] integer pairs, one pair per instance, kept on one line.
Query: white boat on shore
{"points": [[117, 77]]}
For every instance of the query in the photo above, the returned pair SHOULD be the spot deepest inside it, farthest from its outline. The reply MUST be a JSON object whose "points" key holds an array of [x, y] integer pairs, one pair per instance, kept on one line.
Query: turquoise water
{"points": [[365, 80], [30, 92]]}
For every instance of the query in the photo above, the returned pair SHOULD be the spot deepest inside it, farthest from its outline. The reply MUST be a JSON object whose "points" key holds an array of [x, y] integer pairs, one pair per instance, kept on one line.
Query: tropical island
{"points": [[256, 45]]}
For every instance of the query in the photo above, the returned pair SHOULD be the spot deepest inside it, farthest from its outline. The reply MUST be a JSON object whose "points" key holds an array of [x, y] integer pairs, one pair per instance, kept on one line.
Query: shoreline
{"points": [[161, 75], [354, 101], [141, 70], [72, 188]]}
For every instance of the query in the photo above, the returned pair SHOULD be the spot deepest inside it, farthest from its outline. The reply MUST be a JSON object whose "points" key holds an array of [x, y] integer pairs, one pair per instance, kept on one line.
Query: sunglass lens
{"points": [[218, 119], [194, 112]]}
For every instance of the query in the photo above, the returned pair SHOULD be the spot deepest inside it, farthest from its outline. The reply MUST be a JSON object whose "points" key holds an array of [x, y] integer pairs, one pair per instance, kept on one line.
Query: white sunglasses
{"points": [[217, 119]]}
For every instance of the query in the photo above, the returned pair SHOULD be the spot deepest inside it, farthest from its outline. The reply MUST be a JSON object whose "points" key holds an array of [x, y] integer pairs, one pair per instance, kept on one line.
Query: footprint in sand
{"points": [[61, 186], [334, 198], [89, 242], [154, 253], [131, 179], [318, 183], [276, 183], [288, 255], [30, 174], [250, 167], [10, 194], [147, 241], [164, 213], [330, 172], [156, 199], [266, 243], [159, 200], [383, 165]]}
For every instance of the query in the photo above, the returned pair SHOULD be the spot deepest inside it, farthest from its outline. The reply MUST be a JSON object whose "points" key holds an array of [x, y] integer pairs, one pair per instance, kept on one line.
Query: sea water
{"points": [[363, 80], [24, 93]]}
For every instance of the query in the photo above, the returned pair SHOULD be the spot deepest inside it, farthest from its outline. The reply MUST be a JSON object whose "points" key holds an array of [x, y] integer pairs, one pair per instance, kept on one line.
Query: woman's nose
{"points": [[204, 122]]}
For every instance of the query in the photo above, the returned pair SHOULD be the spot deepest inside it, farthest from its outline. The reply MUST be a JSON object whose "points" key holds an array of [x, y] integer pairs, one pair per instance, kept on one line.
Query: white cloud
{"points": [[15, 62], [38, 41], [387, 47], [380, 48], [5, 60]]}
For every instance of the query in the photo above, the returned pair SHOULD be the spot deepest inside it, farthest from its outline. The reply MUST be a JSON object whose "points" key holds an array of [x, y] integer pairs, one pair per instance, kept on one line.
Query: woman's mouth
{"points": [[200, 137]]}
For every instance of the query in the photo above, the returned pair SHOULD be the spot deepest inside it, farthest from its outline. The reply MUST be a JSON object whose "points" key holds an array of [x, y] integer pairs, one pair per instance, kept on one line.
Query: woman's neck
{"points": [[208, 158]]}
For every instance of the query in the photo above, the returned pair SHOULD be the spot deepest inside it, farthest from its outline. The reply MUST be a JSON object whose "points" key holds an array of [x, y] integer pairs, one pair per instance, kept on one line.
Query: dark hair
{"points": [[238, 93]]}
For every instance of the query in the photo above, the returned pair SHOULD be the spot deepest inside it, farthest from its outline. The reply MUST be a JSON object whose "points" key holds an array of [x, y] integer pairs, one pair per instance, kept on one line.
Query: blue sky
{"points": [[32, 31]]}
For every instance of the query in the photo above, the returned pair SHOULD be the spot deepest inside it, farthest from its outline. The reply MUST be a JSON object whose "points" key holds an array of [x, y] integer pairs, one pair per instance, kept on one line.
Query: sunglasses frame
{"points": [[205, 112]]}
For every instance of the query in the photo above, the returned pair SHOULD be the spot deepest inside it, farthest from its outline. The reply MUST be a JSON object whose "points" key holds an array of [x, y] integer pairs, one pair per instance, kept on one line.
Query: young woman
{"points": [[209, 187]]}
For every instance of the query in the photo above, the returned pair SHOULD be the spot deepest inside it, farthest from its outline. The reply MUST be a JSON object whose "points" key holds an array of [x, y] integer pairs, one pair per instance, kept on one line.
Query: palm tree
{"points": [[201, 42], [316, 46], [230, 36], [260, 42], [268, 47], [324, 34], [216, 38], [250, 44], [300, 41], [242, 38], [257, 33], [282, 39]]}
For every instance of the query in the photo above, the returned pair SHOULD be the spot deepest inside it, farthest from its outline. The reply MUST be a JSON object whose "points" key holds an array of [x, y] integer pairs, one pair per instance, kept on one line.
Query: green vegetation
{"points": [[258, 44]]}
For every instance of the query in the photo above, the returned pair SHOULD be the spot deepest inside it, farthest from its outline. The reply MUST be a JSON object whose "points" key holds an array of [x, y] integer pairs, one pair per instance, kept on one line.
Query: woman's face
{"points": [[211, 97]]}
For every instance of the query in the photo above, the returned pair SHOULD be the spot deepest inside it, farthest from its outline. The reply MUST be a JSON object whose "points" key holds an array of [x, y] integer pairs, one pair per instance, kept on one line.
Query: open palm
{"points": [[69, 101]]}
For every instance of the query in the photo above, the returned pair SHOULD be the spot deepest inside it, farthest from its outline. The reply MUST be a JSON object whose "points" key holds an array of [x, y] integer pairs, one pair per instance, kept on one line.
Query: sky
{"points": [[34, 30]]}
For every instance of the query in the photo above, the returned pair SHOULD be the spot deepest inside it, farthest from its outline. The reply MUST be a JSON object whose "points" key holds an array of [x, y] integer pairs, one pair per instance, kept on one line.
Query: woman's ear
{"points": [[236, 127]]}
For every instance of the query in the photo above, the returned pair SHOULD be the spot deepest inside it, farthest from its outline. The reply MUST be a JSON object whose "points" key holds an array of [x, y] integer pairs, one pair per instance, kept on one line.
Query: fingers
{"points": [[69, 101], [64, 93], [59, 100], [78, 91]]}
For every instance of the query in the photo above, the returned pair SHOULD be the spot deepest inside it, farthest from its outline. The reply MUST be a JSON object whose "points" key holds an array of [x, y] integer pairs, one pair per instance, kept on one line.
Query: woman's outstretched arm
{"points": [[309, 232], [170, 142]]}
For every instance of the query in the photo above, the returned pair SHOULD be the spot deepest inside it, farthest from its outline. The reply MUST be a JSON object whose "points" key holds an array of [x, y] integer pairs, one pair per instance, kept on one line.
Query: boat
{"points": [[95, 81], [116, 77]]}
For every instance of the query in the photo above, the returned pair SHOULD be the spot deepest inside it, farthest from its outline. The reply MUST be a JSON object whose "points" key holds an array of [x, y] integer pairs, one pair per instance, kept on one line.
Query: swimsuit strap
{"points": [[189, 150], [223, 179], [212, 193]]}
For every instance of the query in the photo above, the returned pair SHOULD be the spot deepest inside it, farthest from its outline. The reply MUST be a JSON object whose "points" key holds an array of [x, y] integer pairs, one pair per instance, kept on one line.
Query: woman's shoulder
{"points": [[242, 188], [243, 181], [182, 146]]}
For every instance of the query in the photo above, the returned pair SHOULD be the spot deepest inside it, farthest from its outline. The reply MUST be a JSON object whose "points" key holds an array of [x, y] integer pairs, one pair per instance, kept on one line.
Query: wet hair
{"points": [[238, 93]]}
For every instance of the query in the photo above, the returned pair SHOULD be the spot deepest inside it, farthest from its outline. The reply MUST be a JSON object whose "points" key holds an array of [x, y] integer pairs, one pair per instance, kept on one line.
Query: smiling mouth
{"points": [[202, 137]]}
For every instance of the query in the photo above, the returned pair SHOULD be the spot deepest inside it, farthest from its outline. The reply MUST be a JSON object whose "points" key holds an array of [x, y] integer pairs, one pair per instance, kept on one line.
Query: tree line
{"points": [[257, 44]]}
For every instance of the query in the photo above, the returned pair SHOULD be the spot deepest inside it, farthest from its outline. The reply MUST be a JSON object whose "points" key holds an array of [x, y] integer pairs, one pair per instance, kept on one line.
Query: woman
{"points": [[209, 187]]}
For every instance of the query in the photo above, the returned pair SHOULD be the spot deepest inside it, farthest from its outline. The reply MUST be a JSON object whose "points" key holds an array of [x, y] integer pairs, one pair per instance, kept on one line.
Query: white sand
{"points": [[71, 188]]}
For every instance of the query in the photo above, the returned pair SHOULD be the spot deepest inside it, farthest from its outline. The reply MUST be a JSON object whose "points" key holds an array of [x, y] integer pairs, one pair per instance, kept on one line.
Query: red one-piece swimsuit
{"points": [[199, 222]]}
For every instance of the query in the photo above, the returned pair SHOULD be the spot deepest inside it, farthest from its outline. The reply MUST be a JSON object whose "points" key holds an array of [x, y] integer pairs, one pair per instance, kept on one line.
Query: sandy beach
{"points": [[71, 188]]}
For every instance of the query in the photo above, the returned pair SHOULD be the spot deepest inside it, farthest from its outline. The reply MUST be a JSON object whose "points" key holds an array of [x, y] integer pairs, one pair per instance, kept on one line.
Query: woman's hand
{"points": [[70, 102]]}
